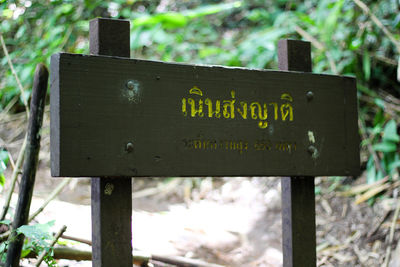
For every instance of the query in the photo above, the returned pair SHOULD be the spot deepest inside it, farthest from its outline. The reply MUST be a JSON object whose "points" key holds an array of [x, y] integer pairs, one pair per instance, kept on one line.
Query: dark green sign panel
{"points": [[124, 117]]}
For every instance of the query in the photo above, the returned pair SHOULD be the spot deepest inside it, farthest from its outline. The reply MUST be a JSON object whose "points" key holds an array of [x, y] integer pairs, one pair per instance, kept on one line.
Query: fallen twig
{"points": [[358, 189], [372, 192], [77, 239], [378, 225], [53, 242], [176, 260], [86, 255], [391, 235], [184, 262], [67, 254]]}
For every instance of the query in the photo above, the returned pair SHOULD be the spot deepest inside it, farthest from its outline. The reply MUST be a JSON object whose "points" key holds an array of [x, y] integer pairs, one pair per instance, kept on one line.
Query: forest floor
{"points": [[228, 221]]}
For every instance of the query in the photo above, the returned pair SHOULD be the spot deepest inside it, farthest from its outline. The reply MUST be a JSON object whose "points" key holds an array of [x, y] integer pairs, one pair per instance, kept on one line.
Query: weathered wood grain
{"points": [[95, 116], [111, 197], [298, 193]]}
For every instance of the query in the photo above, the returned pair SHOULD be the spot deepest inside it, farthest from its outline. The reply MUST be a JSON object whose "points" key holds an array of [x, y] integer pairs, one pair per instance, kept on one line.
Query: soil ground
{"points": [[229, 221]]}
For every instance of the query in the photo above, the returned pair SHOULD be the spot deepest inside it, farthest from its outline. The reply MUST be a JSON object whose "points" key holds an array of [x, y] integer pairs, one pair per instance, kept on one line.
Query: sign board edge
{"points": [[55, 115]]}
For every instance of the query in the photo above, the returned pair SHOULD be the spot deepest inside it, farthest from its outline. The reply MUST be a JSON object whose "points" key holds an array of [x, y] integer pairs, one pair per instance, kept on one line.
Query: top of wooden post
{"points": [[294, 55], [110, 37]]}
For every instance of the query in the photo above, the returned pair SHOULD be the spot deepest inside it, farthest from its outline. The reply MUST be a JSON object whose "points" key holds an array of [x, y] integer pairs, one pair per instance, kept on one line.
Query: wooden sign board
{"points": [[114, 116]]}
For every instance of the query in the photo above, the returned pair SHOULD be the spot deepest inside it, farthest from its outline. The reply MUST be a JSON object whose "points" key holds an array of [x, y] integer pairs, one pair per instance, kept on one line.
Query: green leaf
{"points": [[371, 171], [317, 190], [355, 44], [3, 247], [39, 233], [25, 252], [63, 9], [3, 165], [168, 20], [211, 9], [4, 156], [390, 132], [380, 103], [2, 180], [172, 20], [394, 165], [367, 65], [385, 147], [6, 222]]}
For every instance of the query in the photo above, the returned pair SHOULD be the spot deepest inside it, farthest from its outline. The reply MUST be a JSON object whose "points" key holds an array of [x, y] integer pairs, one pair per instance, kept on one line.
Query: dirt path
{"points": [[230, 221]]}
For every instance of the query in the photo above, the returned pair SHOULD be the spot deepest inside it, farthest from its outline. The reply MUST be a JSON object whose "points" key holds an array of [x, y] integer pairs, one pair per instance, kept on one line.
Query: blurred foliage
{"points": [[3, 166], [38, 239], [345, 40]]}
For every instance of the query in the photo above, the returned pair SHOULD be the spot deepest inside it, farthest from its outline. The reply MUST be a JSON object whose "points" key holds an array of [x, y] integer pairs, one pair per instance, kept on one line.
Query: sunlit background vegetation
{"points": [[348, 37]]}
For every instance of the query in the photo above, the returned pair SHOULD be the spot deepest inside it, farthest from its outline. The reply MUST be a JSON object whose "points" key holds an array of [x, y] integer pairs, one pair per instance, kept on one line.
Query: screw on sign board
{"points": [[121, 117]]}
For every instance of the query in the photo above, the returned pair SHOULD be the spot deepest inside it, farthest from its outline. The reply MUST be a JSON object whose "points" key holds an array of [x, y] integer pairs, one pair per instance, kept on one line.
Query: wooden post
{"points": [[30, 164], [298, 195], [111, 197]]}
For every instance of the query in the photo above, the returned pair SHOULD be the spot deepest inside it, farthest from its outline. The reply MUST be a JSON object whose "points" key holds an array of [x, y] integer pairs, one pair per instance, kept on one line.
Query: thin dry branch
{"points": [[318, 45], [8, 107], [53, 242], [370, 148], [184, 262], [310, 38], [378, 23], [53, 194], [385, 30], [21, 88], [6, 147], [77, 239], [86, 255], [140, 257], [14, 177]]}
